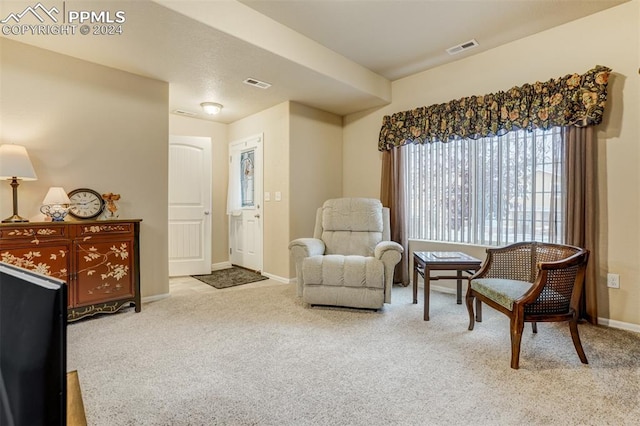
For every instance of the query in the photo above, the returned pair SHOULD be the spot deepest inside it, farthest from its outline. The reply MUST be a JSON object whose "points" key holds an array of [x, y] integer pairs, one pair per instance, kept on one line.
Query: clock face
{"points": [[85, 203]]}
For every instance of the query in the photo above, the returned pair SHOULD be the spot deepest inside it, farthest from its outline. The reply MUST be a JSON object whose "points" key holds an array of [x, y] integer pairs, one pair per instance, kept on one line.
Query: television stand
{"points": [[75, 406]]}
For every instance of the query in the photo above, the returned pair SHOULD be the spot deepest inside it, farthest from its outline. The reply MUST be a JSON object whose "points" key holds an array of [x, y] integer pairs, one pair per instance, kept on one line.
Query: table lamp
{"points": [[56, 204], [15, 165]]}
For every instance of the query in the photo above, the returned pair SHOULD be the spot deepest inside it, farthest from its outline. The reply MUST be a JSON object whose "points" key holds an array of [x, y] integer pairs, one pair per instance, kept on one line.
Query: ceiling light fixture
{"points": [[211, 108]]}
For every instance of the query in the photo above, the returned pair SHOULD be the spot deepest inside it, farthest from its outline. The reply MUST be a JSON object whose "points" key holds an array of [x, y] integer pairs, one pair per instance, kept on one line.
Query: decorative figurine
{"points": [[112, 208]]}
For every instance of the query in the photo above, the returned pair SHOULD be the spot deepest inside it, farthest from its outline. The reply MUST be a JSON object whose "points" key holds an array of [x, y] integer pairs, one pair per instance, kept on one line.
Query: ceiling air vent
{"points": [[256, 83], [183, 112], [462, 47]]}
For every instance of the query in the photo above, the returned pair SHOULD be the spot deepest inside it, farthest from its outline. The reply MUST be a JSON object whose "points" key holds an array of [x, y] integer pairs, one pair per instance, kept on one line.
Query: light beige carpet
{"points": [[257, 356]]}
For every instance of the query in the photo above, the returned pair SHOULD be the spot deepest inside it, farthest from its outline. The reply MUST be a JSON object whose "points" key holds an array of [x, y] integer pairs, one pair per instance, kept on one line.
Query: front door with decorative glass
{"points": [[244, 204]]}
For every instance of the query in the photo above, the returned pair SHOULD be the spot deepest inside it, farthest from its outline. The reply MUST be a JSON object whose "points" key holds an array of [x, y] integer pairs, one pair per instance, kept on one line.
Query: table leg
{"points": [[459, 288], [415, 282], [427, 291]]}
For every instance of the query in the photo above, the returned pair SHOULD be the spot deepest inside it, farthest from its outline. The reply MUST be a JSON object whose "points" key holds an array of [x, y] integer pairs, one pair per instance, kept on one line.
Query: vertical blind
{"points": [[489, 191]]}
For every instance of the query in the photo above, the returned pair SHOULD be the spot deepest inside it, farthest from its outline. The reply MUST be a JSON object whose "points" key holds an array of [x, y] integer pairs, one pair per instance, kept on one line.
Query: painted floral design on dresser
{"points": [[43, 232], [50, 261], [105, 228], [103, 267]]}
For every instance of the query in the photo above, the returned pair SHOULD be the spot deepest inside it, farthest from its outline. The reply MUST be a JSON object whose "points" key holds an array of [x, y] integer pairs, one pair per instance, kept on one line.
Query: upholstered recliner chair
{"points": [[350, 261]]}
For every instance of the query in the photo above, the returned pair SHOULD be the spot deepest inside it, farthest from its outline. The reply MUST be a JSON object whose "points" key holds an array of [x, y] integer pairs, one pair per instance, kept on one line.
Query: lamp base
{"points": [[15, 219]]}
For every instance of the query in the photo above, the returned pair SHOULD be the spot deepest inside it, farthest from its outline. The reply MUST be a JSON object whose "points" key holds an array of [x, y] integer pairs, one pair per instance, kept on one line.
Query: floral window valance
{"points": [[572, 100]]}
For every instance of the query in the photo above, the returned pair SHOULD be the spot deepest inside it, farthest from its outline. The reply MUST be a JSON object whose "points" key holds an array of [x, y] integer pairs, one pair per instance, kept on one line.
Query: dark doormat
{"points": [[230, 277]]}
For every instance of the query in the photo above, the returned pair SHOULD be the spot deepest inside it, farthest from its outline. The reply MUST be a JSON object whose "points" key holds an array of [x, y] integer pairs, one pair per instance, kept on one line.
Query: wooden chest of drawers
{"points": [[99, 260]]}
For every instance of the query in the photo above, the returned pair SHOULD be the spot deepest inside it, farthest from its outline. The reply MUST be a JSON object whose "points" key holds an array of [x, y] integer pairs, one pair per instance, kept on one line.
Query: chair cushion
{"points": [[502, 291], [352, 214], [352, 226], [351, 243], [346, 271]]}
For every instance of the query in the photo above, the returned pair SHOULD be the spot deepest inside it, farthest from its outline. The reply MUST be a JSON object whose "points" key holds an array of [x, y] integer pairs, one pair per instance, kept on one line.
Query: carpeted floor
{"points": [[257, 356], [230, 277]]}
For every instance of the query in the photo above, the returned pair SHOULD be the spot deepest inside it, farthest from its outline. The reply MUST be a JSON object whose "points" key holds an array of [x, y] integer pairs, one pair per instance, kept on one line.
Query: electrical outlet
{"points": [[613, 280]]}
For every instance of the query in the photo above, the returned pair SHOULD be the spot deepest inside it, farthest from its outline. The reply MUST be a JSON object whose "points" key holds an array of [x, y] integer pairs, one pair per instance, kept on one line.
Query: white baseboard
{"points": [[278, 278], [439, 288], [155, 298], [601, 321], [619, 324], [221, 265], [443, 289]]}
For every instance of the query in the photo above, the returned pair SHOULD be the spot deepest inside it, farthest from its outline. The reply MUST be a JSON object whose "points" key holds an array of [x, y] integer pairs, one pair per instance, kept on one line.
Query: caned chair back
{"points": [[562, 280]]}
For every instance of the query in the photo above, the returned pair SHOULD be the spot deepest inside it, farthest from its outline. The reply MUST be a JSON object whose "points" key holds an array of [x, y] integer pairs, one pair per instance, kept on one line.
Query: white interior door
{"points": [[244, 204], [189, 205]]}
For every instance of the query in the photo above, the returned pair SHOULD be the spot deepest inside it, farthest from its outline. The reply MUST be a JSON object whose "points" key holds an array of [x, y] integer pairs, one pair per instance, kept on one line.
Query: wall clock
{"points": [[85, 203]]}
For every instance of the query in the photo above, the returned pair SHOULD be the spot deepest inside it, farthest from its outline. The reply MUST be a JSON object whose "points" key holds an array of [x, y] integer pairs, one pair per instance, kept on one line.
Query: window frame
{"points": [[459, 207]]}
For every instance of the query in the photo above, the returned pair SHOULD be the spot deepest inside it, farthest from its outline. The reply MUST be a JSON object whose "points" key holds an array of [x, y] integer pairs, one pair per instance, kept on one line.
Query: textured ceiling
{"points": [[338, 56], [397, 38]]}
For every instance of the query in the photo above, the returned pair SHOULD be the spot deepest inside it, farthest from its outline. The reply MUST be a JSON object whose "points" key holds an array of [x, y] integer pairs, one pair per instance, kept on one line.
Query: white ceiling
{"points": [[397, 38], [339, 55]]}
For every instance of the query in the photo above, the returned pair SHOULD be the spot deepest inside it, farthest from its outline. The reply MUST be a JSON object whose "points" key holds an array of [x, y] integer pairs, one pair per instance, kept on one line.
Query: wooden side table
{"points": [[426, 261]]}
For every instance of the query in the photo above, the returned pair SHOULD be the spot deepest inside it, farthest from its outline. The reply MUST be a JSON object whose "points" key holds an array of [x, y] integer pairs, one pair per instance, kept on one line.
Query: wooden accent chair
{"points": [[531, 282]]}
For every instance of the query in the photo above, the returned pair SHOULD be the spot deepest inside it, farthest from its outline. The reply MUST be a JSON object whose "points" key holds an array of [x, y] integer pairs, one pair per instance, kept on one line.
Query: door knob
{"points": [[257, 216], [206, 212]]}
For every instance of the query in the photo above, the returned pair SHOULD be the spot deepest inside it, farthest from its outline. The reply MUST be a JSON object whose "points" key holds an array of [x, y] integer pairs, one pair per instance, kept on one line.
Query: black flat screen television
{"points": [[33, 348]]}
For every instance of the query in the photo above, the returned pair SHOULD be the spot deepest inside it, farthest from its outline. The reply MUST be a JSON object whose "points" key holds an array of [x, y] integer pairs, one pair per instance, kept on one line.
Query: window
{"points": [[247, 182], [490, 191]]}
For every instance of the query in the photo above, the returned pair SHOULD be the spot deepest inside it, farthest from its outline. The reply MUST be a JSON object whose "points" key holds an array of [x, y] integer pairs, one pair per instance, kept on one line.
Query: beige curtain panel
{"points": [[581, 208]]}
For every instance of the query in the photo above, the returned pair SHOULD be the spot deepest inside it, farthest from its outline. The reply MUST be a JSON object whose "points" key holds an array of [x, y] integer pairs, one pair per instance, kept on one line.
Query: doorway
{"points": [[189, 205], [244, 203]]}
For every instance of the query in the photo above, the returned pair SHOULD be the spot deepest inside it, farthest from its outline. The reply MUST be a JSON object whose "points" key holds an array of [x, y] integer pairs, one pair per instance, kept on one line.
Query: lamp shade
{"points": [[14, 162], [56, 195]]}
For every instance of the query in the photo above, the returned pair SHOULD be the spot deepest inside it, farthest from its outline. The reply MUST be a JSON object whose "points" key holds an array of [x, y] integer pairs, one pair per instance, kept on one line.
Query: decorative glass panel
{"points": [[247, 182]]}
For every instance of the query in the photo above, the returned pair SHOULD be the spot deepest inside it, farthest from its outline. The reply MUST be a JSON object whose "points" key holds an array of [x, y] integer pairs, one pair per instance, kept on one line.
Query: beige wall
{"points": [[303, 161], [609, 38], [273, 123], [185, 126], [85, 125], [315, 162]]}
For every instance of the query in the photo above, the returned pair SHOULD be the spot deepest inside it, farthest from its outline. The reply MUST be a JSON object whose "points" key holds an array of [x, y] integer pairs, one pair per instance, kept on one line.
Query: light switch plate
{"points": [[278, 196], [267, 196]]}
